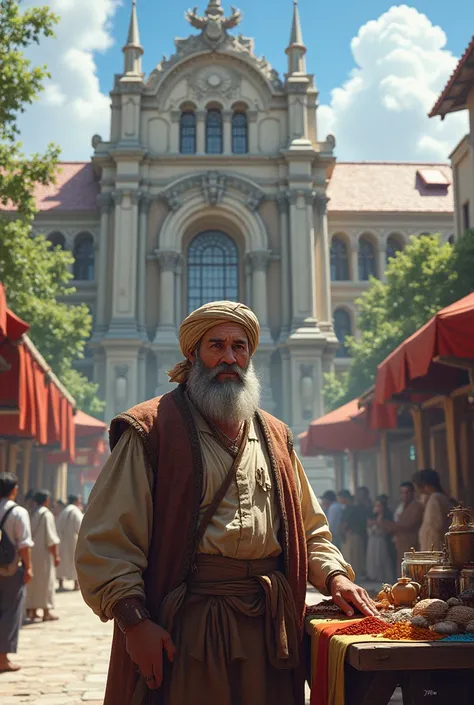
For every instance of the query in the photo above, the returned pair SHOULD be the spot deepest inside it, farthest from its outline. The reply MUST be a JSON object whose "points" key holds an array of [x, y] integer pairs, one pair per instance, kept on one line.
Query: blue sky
{"points": [[328, 28], [379, 67]]}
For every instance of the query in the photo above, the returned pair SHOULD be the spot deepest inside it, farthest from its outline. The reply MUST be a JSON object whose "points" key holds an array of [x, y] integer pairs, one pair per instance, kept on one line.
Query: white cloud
{"points": [[381, 112], [72, 107]]}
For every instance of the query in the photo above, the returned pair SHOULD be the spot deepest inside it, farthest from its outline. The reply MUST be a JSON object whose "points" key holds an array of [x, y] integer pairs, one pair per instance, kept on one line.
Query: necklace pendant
{"points": [[234, 449]]}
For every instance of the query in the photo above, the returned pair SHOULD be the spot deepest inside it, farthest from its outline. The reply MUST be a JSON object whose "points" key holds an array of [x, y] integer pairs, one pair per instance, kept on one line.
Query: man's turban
{"points": [[203, 319]]}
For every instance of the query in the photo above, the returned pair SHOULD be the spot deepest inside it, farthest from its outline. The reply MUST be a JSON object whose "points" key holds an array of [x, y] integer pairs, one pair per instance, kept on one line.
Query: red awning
{"points": [[91, 446], [421, 364], [87, 426], [33, 402], [341, 430]]}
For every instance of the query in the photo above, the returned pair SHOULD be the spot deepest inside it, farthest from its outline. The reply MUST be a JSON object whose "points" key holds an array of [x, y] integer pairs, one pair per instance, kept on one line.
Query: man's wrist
{"points": [[333, 574], [129, 612]]}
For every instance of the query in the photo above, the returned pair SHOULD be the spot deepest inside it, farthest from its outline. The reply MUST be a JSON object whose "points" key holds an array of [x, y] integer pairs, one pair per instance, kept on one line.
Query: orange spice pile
{"points": [[404, 630]]}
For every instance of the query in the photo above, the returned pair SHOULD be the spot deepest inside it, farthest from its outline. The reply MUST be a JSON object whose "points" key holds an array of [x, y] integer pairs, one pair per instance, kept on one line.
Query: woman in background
{"points": [[380, 548]]}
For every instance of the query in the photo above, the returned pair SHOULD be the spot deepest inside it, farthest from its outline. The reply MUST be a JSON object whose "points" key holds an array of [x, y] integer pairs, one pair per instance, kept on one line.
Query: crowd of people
{"points": [[373, 538], [42, 537]]}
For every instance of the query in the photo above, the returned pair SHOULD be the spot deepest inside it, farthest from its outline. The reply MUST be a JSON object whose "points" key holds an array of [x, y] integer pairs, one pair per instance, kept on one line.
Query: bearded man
{"points": [[201, 533]]}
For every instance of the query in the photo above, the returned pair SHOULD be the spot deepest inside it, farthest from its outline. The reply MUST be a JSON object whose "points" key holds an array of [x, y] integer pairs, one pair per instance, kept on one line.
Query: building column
{"points": [[354, 260], [201, 131], [105, 201], [302, 263], [181, 311], [259, 265], [124, 298], [145, 202], [227, 131], [285, 268], [381, 261], [168, 262], [323, 266]]}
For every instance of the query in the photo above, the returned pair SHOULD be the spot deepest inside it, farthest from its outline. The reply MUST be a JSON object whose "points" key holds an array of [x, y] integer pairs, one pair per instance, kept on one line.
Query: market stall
{"points": [[36, 411], [422, 639]]}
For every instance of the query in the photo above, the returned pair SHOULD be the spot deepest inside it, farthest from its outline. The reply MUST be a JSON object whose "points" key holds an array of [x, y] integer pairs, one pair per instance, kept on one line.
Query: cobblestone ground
{"points": [[65, 662]]}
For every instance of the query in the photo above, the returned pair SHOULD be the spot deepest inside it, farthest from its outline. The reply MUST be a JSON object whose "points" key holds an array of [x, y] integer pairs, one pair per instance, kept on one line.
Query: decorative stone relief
{"points": [[214, 82], [213, 187]]}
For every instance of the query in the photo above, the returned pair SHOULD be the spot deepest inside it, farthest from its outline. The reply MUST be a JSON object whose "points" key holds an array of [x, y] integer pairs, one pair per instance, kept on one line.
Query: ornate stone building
{"points": [[214, 183]]}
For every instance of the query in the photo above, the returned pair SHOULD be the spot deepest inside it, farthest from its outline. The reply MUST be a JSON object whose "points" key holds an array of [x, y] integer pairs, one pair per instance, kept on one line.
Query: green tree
{"points": [[425, 277], [36, 276]]}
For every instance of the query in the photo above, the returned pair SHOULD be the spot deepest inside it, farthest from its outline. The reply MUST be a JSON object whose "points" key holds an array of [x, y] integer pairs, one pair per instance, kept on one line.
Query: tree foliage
{"points": [[425, 277], [36, 276]]}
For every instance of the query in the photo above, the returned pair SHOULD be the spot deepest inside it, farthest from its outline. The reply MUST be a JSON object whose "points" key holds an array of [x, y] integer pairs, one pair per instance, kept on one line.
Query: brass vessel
{"points": [[405, 592], [460, 537], [416, 565], [443, 581], [466, 579]]}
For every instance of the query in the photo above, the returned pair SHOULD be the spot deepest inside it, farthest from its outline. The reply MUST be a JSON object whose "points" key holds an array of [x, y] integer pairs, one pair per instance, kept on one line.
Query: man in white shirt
{"points": [[333, 510], [14, 577]]}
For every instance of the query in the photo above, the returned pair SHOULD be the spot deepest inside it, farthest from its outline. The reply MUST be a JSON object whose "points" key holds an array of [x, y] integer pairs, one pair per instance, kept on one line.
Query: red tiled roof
{"points": [[76, 189], [454, 95], [354, 186], [388, 187]]}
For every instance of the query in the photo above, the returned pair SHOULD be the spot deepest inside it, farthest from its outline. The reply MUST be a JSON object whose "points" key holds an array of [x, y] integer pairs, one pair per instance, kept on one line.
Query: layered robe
{"points": [[68, 524], [137, 538], [40, 591]]}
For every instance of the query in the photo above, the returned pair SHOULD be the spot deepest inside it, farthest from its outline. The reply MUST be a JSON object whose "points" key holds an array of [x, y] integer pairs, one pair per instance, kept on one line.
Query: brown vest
{"points": [[171, 441]]}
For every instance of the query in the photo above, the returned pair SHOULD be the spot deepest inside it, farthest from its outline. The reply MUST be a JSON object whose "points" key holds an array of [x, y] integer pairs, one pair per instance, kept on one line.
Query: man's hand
{"points": [[145, 644], [56, 561], [27, 576], [346, 593]]}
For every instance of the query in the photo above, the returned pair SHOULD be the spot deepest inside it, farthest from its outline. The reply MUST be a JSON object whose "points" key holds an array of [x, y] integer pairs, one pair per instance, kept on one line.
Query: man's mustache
{"points": [[224, 368]]}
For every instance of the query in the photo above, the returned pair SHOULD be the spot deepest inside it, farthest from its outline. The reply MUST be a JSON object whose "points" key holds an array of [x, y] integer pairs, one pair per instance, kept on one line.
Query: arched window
{"points": [[84, 257], [367, 266], [339, 260], [187, 132], [57, 240], [214, 131], [213, 269], [342, 328], [393, 246], [240, 142]]}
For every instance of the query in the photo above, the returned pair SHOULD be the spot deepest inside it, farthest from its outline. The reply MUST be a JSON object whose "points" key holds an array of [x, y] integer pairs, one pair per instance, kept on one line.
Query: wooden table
{"points": [[428, 674]]}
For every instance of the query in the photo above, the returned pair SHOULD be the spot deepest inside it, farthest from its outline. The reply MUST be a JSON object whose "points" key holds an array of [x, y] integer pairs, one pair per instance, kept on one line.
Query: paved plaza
{"points": [[63, 662]]}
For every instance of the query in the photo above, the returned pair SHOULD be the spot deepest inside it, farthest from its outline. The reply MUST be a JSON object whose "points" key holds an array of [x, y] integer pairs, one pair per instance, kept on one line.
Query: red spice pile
{"points": [[369, 625]]}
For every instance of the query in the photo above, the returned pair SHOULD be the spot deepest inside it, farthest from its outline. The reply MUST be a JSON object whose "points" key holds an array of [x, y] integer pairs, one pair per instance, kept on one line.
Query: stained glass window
{"points": [[187, 133], [213, 269], [84, 257], [214, 132], [239, 133], [339, 260]]}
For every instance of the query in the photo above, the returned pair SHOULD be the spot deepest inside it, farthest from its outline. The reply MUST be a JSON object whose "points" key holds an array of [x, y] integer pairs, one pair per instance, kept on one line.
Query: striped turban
{"points": [[203, 319]]}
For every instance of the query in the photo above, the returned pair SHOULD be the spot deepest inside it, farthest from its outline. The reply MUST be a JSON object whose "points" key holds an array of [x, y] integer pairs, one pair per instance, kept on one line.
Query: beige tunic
{"points": [[435, 522], [40, 591], [68, 524], [114, 539]]}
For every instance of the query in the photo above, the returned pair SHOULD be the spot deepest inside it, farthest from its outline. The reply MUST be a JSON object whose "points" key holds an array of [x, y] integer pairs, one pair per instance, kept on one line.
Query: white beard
{"points": [[231, 400]]}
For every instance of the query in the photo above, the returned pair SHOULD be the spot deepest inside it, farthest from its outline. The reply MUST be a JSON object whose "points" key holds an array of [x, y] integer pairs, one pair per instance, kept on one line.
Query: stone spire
{"points": [[133, 49], [296, 50]]}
